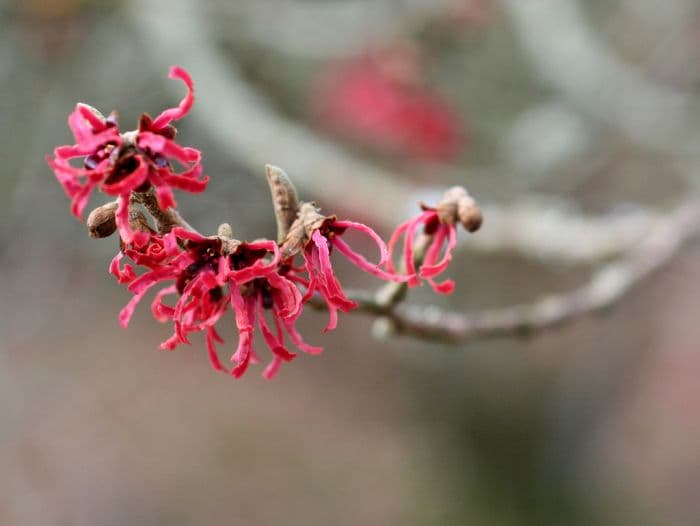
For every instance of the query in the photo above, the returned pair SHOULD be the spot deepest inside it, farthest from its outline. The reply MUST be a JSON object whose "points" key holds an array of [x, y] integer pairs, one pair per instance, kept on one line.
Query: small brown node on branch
{"points": [[102, 222], [308, 219], [139, 222], [457, 205]]}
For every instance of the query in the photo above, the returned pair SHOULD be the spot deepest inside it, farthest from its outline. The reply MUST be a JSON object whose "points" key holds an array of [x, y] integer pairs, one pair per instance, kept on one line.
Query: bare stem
{"points": [[165, 220]]}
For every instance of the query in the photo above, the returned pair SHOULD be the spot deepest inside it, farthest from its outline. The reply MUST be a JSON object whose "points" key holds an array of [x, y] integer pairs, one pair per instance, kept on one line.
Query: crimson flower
{"points": [[209, 274], [442, 234], [322, 239], [120, 163], [440, 226]]}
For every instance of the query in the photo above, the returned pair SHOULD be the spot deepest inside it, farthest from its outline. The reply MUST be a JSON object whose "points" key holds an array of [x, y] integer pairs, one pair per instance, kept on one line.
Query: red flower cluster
{"points": [[258, 280], [120, 163], [262, 288]]}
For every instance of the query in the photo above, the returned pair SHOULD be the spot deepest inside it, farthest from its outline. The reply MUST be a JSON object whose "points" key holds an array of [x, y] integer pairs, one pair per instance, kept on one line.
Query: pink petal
{"points": [[80, 200], [147, 280], [160, 311], [89, 145], [430, 269], [173, 114], [86, 113], [359, 261], [392, 244], [299, 341], [446, 287], [183, 233], [123, 276], [122, 219], [275, 344], [188, 181], [129, 183], [272, 368], [168, 148], [383, 253], [211, 338]]}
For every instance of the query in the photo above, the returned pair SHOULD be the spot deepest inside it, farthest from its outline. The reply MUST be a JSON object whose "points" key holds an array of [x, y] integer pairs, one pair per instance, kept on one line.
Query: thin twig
{"points": [[165, 220]]}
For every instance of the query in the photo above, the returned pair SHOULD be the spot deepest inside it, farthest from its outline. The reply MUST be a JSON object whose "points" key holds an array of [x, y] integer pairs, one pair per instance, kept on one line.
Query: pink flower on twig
{"points": [[210, 274], [321, 235], [440, 233], [433, 265], [121, 163]]}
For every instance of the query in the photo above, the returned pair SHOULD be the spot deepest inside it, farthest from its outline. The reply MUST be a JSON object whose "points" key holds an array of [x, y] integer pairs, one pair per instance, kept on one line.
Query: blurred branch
{"points": [[343, 27], [245, 124], [567, 55]]}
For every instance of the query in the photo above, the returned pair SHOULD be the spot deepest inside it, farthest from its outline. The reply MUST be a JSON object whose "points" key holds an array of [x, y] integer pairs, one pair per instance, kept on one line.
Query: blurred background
{"points": [[545, 109]]}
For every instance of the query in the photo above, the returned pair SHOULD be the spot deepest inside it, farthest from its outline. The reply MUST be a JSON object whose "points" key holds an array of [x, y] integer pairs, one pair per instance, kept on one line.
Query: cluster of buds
{"points": [[266, 283]]}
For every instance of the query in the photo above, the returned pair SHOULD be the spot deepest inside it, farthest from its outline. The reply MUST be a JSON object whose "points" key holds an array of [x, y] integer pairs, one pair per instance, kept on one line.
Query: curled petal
{"points": [[430, 269], [211, 339], [392, 244], [446, 287], [128, 311], [90, 115], [125, 275], [122, 219], [238, 305], [188, 181], [80, 200], [160, 311], [147, 280], [168, 148], [260, 268], [164, 194], [383, 253], [326, 277], [243, 353], [170, 244], [365, 265], [130, 182], [89, 145], [183, 233], [298, 340], [275, 344], [272, 368], [173, 114]]}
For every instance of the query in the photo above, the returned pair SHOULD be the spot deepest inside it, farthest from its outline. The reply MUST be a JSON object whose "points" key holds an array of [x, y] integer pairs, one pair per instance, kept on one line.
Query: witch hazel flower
{"points": [[209, 274], [316, 236], [135, 161], [273, 296], [146, 249], [439, 237]]}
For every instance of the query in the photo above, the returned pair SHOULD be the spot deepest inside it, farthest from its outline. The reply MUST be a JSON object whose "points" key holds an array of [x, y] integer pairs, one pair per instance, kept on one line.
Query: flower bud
{"points": [[101, 222]]}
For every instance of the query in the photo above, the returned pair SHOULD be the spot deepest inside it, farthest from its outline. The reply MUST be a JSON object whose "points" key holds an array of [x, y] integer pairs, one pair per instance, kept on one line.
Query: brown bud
{"points": [[284, 200], [458, 205], [101, 221], [225, 231], [470, 214], [308, 219]]}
